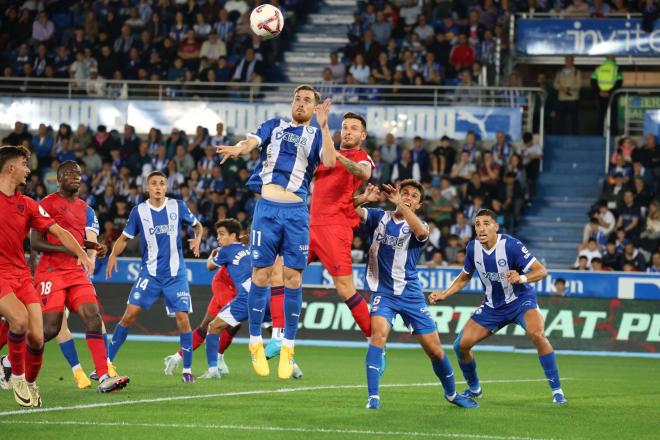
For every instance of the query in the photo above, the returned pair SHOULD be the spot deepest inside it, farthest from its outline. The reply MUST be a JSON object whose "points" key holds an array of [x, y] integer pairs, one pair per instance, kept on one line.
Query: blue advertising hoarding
{"points": [[593, 37], [652, 122], [635, 285]]}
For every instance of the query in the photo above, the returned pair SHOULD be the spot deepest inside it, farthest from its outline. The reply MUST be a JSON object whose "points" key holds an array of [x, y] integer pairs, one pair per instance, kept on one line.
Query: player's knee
{"points": [[18, 321], [51, 330], [537, 336], [92, 322], [182, 322], [292, 279], [35, 339]]}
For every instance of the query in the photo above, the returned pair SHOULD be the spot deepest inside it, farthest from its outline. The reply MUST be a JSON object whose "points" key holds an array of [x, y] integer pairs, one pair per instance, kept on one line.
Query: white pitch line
{"points": [[268, 428], [240, 393]]}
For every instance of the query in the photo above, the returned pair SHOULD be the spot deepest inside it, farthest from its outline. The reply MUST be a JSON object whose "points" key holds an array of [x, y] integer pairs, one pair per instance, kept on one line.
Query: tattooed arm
{"points": [[360, 170]]}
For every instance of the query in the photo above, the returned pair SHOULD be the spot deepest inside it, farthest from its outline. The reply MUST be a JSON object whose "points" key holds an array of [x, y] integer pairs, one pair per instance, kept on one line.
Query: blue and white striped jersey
{"points": [[393, 255], [492, 266], [160, 236], [236, 257], [289, 155]]}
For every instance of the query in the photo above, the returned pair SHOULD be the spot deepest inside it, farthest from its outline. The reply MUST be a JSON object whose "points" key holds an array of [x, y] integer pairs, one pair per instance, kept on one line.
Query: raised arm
{"points": [[210, 265], [243, 147], [328, 154], [459, 284], [371, 194], [417, 227], [360, 170]]}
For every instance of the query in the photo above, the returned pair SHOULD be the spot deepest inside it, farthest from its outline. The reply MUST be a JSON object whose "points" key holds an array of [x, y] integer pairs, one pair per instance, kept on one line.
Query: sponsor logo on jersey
{"points": [[163, 229], [390, 240], [299, 141]]}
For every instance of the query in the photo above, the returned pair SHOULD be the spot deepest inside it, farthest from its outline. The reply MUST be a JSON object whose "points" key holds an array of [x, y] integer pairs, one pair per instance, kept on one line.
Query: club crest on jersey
{"points": [[405, 230], [43, 212], [309, 129], [255, 255], [501, 262], [173, 216], [21, 208]]}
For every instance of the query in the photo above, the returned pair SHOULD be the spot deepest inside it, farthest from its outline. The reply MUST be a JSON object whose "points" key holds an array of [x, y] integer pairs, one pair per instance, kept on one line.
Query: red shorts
{"points": [[21, 286], [332, 246], [64, 289], [222, 295]]}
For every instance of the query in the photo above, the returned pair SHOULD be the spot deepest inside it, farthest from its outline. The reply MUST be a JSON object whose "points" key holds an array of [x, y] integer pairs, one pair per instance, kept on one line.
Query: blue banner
{"points": [[578, 283], [652, 122], [586, 37]]}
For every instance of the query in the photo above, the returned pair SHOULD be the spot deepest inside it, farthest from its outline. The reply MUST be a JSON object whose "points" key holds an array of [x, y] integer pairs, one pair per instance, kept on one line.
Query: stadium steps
{"points": [[569, 185], [323, 32]]}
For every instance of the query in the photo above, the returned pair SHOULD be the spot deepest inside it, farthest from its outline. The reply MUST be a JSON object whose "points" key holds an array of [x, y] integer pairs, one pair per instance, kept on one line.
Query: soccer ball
{"points": [[266, 21]]}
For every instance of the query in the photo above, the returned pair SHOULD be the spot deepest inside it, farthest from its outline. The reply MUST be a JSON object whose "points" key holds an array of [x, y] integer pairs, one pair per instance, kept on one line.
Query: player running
{"points": [[505, 268], [290, 152], [59, 279], [397, 241], [159, 221], [333, 217], [19, 302]]}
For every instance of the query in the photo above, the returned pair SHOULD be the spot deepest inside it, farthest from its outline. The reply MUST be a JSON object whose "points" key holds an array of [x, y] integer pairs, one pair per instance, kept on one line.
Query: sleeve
{"points": [[263, 132], [317, 147], [468, 266], [366, 159], [520, 257], [422, 242], [39, 218], [221, 257], [374, 215], [92, 223], [185, 215], [132, 227]]}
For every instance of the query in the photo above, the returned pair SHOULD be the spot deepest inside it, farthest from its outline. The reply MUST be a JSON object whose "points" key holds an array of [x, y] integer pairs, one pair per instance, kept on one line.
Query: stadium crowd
{"points": [[623, 232], [460, 177]]}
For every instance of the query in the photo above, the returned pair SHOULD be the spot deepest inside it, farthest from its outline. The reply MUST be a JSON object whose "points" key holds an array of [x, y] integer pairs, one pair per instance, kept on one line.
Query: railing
{"points": [[532, 15], [631, 126]]}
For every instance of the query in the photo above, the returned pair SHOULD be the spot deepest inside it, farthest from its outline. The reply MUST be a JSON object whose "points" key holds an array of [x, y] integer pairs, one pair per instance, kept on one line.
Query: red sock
{"points": [[17, 353], [277, 306], [360, 312], [33, 360], [99, 353], [4, 331], [225, 340], [199, 336]]}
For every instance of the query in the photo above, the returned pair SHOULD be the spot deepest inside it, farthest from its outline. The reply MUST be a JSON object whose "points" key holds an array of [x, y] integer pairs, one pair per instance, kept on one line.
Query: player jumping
{"points": [[397, 241], [61, 282], [505, 268], [290, 152], [158, 220], [19, 301]]}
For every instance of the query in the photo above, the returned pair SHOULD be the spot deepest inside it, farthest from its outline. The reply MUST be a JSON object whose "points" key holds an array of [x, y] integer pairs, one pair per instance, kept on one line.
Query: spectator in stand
{"points": [[626, 149], [125, 42], [560, 288], [654, 267], [249, 69], [611, 258], [532, 155], [421, 156], [631, 255], [410, 12], [577, 9], [423, 30], [213, 48], [382, 29], [648, 155], [358, 254], [390, 150], [438, 209], [463, 169], [590, 251], [629, 216], [582, 263], [489, 171], [355, 29], [513, 199], [599, 9], [405, 168], [444, 156], [597, 265], [462, 229], [189, 51], [474, 188], [452, 249], [650, 236], [568, 83], [338, 69], [605, 80], [463, 55], [369, 48], [42, 28], [381, 172], [436, 261], [359, 69], [474, 29], [327, 86]]}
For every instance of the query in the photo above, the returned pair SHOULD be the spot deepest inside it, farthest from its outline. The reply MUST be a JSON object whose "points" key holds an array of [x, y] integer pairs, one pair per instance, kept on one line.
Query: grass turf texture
{"points": [[608, 398]]}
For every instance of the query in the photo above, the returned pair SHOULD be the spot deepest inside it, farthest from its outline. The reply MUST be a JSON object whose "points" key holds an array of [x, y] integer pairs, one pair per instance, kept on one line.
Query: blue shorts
{"points": [[512, 313], [414, 311], [147, 289], [280, 229], [235, 312]]}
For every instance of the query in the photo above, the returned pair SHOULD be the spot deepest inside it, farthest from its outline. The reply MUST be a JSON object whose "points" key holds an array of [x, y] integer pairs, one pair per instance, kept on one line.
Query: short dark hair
{"points": [[63, 166], [560, 280], [487, 213], [317, 95], [527, 137], [359, 117], [156, 174], [232, 226], [11, 152], [415, 184]]}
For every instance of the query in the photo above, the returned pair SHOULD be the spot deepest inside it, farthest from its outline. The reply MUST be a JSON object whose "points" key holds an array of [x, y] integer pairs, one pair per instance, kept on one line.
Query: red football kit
{"points": [[223, 290], [59, 279], [19, 214]]}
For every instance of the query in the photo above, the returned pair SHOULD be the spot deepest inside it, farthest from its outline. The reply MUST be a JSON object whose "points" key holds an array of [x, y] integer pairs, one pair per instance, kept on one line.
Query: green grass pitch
{"points": [[608, 397]]}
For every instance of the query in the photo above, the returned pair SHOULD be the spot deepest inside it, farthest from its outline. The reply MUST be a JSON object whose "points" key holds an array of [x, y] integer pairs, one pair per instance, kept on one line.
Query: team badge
{"points": [[501, 262], [173, 216], [21, 208]]}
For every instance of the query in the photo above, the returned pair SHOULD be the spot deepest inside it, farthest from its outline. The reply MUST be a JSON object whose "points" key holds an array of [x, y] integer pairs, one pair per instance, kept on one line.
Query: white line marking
{"points": [[269, 428], [241, 393]]}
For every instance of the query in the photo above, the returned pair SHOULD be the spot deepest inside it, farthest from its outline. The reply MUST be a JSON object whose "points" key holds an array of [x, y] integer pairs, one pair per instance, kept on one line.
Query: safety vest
{"points": [[607, 74]]}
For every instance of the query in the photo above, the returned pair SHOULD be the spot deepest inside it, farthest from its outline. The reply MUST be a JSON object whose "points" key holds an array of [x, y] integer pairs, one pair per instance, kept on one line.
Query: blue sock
{"points": [[469, 370], [549, 364], [212, 345], [445, 373], [118, 339], [373, 362], [292, 308], [105, 341], [185, 339], [69, 351], [257, 300]]}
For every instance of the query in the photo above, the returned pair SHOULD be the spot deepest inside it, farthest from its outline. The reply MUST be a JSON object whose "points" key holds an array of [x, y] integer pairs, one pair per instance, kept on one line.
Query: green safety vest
{"points": [[607, 74]]}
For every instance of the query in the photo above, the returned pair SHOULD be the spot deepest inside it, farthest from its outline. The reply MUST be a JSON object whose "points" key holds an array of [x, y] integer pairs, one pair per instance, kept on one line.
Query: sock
{"points": [[99, 354], [33, 359], [373, 362], [118, 339], [105, 341], [225, 340], [212, 344], [445, 373], [277, 306], [198, 335], [360, 312], [469, 370], [254, 340], [16, 352], [4, 333], [257, 299], [549, 364], [292, 308], [278, 333], [69, 352], [185, 340], [288, 342]]}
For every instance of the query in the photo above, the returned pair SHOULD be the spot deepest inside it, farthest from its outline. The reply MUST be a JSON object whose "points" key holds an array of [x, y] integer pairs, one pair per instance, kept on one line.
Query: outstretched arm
{"points": [[370, 194], [243, 147], [417, 227], [459, 284], [328, 154]]}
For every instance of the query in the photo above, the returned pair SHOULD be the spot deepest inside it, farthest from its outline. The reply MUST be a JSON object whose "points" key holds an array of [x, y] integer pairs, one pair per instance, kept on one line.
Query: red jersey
{"points": [[74, 216], [332, 197], [19, 214]]}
